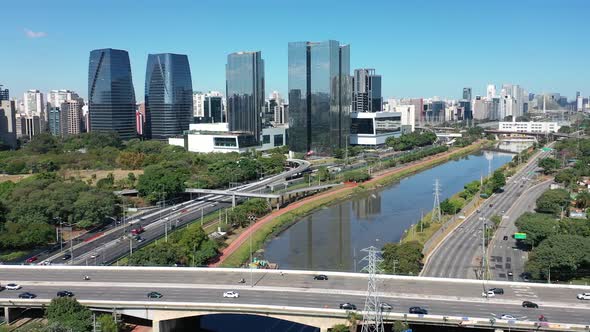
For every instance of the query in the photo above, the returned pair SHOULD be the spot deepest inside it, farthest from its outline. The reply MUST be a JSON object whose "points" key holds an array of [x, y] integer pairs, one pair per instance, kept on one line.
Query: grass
{"points": [[13, 255], [275, 226]]}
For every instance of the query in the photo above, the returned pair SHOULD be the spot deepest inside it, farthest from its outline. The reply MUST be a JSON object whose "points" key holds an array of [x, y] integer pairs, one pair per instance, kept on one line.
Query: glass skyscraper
{"points": [[245, 92], [319, 96], [366, 91], [168, 95], [111, 97]]}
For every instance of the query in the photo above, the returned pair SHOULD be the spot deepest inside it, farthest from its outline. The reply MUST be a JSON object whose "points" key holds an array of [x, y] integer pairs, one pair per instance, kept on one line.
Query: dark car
{"points": [[529, 304], [154, 295], [418, 310], [65, 293], [320, 277], [505, 237], [497, 290], [66, 257], [26, 295], [347, 306]]}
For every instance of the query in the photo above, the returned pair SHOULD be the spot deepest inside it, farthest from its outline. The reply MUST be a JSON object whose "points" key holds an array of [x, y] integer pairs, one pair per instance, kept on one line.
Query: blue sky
{"points": [[422, 48]]}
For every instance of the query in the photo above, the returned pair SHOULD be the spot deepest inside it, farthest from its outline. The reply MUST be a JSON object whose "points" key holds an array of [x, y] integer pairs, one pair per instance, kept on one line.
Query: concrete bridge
{"points": [[189, 293]]}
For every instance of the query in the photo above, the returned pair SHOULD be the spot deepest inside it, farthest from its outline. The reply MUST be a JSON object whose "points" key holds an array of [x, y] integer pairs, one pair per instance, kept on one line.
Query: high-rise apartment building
{"points": [[198, 104], [491, 91], [4, 94], [57, 97], [72, 119], [245, 92], [320, 96], [34, 103], [8, 124], [366, 91], [466, 93], [168, 95], [111, 96]]}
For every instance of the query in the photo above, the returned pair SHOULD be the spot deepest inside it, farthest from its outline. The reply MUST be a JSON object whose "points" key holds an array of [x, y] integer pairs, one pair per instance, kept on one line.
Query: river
{"points": [[331, 238]]}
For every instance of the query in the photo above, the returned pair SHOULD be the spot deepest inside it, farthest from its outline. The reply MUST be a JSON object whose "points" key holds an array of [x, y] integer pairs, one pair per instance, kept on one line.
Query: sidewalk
{"points": [[243, 237]]}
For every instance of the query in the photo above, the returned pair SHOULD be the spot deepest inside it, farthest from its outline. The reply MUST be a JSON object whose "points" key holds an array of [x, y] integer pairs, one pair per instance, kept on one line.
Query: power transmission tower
{"points": [[372, 318], [436, 213]]}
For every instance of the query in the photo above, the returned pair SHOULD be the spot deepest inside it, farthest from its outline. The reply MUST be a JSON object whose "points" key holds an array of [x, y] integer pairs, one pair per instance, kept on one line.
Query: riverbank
{"points": [[239, 250]]}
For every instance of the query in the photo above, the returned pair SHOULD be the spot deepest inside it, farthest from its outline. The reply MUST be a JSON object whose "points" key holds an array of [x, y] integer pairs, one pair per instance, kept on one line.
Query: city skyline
{"points": [[400, 49]]}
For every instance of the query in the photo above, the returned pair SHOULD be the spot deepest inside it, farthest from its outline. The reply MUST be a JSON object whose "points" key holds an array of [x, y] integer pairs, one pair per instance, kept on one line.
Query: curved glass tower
{"points": [[168, 95], [111, 97]]}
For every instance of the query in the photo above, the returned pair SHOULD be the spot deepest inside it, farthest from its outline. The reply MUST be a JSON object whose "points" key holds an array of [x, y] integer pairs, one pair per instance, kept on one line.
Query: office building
{"points": [[111, 96], [366, 91], [579, 103], [320, 96], [245, 92], [529, 127], [467, 113], [373, 128], [57, 97], [54, 121], [8, 124], [168, 95], [4, 94], [466, 93]]}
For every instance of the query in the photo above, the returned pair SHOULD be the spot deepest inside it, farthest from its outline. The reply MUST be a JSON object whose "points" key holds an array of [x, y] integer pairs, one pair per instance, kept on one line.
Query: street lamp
{"points": [[251, 218]]}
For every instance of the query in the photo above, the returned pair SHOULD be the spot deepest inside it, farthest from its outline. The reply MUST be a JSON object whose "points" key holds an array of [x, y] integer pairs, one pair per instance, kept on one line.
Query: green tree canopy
{"points": [[408, 256], [549, 165], [69, 313], [537, 227], [564, 255], [166, 179], [553, 201]]}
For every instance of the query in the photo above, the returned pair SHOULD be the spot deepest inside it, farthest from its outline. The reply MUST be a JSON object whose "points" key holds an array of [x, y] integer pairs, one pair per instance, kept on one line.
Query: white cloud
{"points": [[35, 34]]}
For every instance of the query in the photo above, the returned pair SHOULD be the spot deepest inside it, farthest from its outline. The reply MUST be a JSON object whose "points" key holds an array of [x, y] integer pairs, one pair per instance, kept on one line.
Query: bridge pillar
{"points": [[233, 200], [11, 314]]}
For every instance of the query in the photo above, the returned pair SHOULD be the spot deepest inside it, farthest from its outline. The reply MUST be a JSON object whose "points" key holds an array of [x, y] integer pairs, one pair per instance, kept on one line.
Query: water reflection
{"points": [[331, 238]]}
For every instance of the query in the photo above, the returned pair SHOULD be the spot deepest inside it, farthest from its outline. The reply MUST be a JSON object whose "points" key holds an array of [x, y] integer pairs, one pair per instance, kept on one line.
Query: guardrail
{"points": [[475, 322]]}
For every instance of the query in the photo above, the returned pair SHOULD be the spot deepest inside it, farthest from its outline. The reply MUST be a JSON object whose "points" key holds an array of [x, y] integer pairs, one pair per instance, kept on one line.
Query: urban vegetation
{"points": [[411, 140], [558, 240], [402, 258]]}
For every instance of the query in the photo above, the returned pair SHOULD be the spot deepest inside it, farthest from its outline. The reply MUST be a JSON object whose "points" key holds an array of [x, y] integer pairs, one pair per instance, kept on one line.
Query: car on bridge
{"points": [[582, 296], [347, 306], [13, 286], [65, 293], [320, 277], [66, 257], [507, 317], [154, 295], [529, 304], [231, 294], [26, 295], [488, 294], [497, 290], [385, 306], [418, 310], [31, 259]]}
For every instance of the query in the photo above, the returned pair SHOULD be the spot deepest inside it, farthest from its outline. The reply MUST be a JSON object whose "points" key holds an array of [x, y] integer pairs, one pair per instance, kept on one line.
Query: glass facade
{"points": [[387, 125], [319, 96], [366, 93], [213, 109], [54, 118], [111, 97], [362, 126], [245, 92], [168, 95]]}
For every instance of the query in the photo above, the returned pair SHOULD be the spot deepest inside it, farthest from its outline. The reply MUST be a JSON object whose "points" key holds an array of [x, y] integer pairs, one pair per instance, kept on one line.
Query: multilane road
{"points": [[459, 255], [297, 288], [117, 242]]}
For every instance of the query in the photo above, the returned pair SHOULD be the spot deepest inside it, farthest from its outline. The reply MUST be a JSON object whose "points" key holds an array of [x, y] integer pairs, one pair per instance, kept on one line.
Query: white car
{"points": [[583, 296], [231, 294], [45, 263], [13, 286], [488, 294], [507, 317]]}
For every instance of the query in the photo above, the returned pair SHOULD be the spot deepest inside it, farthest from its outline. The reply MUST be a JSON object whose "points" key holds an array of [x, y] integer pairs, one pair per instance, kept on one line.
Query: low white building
{"points": [[373, 128], [216, 137], [529, 127]]}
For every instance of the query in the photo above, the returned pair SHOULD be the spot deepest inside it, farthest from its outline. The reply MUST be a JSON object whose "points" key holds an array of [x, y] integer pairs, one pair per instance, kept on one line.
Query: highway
{"points": [[116, 242], [505, 255], [459, 254], [297, 288]]}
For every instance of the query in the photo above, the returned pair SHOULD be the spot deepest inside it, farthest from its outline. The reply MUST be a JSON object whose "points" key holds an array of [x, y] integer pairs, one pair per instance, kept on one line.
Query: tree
{"points": [[537, 227], [340, 328], [323, 173], [562, 256], [399, 326], [107, 323], [69, 313], [549, 165], [553, 201], [407, 257], [498, 181], [452, 205], [167, 178], [567, 176], [583, 200]]}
